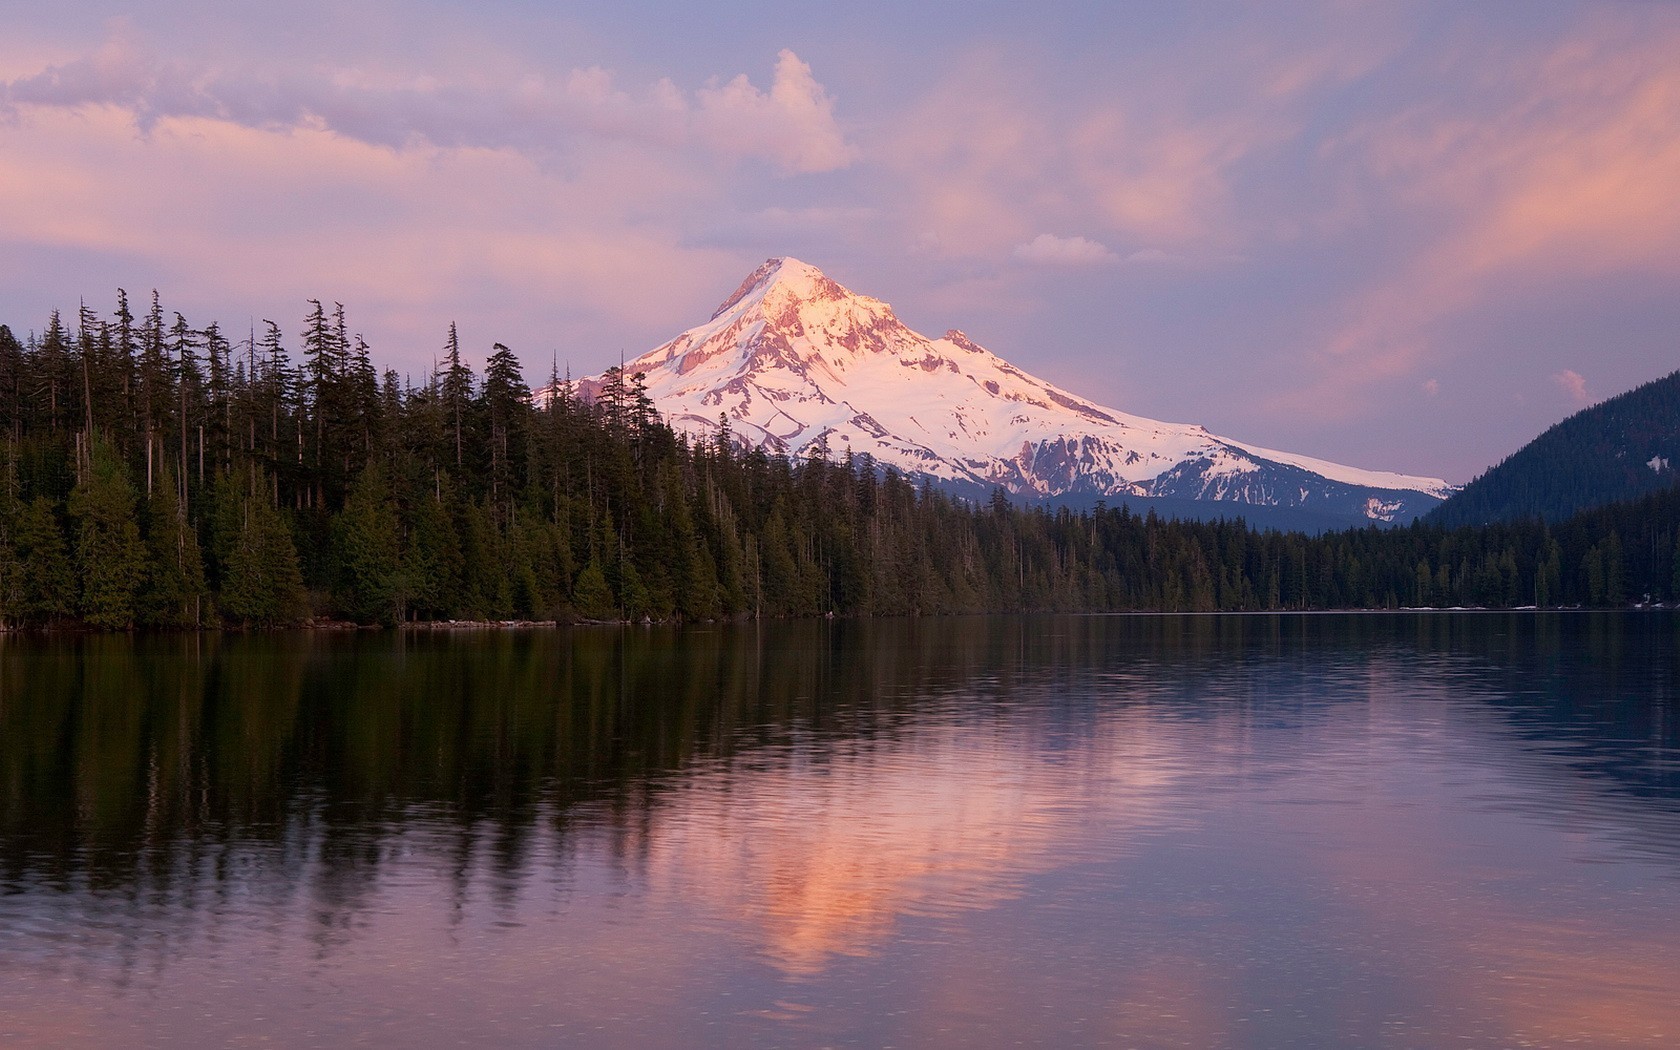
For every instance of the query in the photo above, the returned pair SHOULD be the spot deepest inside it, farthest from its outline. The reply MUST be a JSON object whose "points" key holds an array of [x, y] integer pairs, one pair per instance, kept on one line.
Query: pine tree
{"points": [[1615, 572], [455, 385], [215, 437], [57, 387], [110, 558], [507, 402], [157, 402], [700, 597], [485, 591], [13, 366], [10, 567], [366, 541], [175, 591], [591, 595], [433, 562], [46, 577], [262, 584]]}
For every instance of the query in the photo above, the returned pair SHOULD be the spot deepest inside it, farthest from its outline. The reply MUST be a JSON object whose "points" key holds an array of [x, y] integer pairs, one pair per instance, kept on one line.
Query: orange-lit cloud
{"points": [[406, 196], [987, 168], [243, 215], [793, 122], [1571, 175], [792, 125], [1575, 385], [1138, 160]]}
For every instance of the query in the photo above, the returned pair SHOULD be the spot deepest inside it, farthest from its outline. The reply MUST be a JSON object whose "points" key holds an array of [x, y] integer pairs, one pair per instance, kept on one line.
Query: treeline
{"points": [[158, 474]]}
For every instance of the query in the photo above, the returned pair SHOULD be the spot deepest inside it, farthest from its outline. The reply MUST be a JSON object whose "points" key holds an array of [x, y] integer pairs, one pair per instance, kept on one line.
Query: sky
{"points": [[1400, 235]]}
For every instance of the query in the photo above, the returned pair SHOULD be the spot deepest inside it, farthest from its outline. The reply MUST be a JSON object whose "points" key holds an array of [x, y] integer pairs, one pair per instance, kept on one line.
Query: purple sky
{"points": [[1406, 236]]}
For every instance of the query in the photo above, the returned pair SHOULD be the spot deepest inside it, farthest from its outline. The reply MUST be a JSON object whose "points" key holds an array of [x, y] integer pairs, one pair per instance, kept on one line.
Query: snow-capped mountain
{"points": [[793, 360]]}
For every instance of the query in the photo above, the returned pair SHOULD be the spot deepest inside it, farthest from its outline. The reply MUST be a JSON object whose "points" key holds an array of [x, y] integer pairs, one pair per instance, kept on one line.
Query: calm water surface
{"points": [[1246, 831]]}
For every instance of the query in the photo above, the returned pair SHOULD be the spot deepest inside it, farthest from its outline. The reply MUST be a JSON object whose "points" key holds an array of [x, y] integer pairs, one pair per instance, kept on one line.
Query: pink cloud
{"points": [[793, 122], [792, 125], [988, 159], [1050, 250], [1568, 172], [1574, 384], [227, 220]]}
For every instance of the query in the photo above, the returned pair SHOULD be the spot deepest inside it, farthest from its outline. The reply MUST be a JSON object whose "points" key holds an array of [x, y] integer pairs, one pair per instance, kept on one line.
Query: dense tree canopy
{"points": [[157, 474], [1623, 449]]}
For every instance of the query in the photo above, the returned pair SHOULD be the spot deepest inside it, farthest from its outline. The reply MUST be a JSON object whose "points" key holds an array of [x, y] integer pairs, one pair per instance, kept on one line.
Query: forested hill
{"points": [[1621, 449], [155, 473]]}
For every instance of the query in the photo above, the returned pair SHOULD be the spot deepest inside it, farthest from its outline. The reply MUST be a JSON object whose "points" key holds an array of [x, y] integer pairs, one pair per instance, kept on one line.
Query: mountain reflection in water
{"points": [[1199, 830]]}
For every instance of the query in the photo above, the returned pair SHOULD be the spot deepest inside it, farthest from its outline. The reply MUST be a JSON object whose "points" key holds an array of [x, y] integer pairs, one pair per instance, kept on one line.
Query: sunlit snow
{"points": [[795, 359]]}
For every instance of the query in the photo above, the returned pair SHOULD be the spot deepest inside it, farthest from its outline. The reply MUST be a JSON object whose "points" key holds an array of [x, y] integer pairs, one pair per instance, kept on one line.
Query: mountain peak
{"points": [[797, 280], [796, 361]]}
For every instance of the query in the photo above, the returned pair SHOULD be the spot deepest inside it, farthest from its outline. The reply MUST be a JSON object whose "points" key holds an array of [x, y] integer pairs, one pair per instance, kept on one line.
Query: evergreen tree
{"points": [[433, 563], [485, 589], [372, 587], [507, 403], [13, 369], [10, 510], [175, 590], [455, 387], [57, 387], [110, 558], [46, 578], [591, 595], [262, 584]]}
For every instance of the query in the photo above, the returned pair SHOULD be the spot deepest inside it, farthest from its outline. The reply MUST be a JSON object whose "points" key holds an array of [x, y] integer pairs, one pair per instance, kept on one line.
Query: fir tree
{"points": [[262, 584], [507, 403], [432, 563], [175, 591], [371, 585], [455, 384], [591, 595], [46, 578], [110, 558]]}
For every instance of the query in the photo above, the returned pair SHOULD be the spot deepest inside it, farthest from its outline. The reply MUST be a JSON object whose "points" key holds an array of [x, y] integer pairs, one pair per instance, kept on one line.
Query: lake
{"points": [[1246, 831]]}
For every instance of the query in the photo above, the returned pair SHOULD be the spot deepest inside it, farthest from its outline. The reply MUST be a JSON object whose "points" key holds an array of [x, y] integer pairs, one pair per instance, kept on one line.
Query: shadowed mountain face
{"points": [[798, 364], [1620, 449]]}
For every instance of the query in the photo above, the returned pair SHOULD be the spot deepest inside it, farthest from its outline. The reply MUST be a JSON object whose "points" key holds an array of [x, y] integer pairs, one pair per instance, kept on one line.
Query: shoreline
{"points": [[347, 626]]}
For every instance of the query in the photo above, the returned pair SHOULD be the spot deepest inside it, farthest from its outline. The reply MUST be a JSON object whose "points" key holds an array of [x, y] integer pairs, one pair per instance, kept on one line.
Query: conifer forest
{"points": [[158, 474]]}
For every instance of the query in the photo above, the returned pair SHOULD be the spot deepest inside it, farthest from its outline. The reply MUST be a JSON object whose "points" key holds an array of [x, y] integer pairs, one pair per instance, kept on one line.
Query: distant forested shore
{"points": [[156, 474]]}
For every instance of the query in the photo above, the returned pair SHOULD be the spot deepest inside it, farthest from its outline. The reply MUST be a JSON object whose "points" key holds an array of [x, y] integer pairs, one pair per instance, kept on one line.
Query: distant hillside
{"points": [[1621, 449]]}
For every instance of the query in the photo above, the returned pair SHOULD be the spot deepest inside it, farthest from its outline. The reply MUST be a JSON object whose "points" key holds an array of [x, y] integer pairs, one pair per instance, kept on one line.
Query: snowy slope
{"points": [[793, 359]]}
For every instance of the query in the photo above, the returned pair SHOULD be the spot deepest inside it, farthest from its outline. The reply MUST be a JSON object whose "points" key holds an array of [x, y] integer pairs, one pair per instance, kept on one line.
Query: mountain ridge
{"points": [[1623, 448], [798, 362]]}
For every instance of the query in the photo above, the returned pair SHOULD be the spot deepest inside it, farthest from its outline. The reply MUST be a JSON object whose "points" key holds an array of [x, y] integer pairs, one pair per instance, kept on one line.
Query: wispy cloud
{"points": [[1560, 167], [1047, 249], [982, 165], [792, 125]]}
